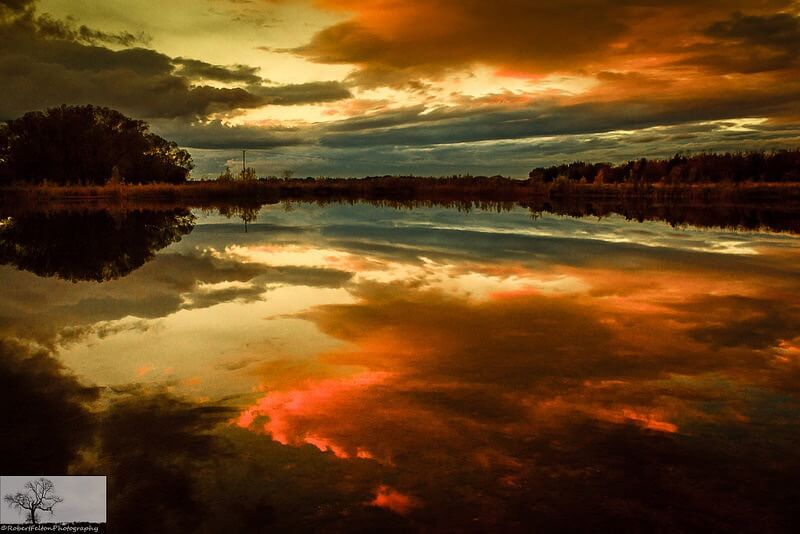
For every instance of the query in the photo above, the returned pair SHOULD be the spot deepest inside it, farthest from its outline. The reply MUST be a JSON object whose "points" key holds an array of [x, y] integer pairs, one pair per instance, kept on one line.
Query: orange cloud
{"points": [[519, 36], [646, 363], [684, 61], [283, 409], [422, 365], [391, 499]]}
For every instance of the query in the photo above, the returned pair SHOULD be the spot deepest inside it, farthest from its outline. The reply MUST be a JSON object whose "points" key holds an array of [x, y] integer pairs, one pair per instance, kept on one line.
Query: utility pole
{"points": [[244, 166]]}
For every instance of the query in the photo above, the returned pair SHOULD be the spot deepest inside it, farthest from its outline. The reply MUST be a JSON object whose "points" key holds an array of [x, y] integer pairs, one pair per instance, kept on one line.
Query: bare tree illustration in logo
{"points": [[37, 495]]}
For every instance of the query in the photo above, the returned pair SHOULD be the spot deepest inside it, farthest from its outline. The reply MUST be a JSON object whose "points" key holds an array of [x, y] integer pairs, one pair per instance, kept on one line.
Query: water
{"points": [[354, 367]]}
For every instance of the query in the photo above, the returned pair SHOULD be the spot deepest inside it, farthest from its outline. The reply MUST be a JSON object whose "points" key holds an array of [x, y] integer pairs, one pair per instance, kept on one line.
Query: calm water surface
{"points": [[348, 368]]}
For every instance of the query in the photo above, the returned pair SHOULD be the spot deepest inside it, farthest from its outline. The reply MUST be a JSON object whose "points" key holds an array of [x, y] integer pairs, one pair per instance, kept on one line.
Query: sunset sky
{"points": [[346, 87]]}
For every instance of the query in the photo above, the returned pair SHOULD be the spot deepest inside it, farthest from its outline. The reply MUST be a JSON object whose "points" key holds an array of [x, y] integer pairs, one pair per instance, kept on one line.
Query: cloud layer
{"points": [[48, 62], [435, 88]]}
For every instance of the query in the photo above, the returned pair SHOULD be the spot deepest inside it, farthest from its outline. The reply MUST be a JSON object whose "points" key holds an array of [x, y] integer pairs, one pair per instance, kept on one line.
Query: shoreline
{"points": [[494, 189], [752, 207]]}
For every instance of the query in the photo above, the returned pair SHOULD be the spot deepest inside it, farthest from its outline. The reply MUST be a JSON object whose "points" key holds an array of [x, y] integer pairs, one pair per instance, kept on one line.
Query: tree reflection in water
{"points": [[97, 245]]}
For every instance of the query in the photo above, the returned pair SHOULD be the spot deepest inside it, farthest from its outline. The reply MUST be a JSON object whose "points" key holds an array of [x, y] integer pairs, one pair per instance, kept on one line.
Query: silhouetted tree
{"points": [[38, 495], [83, 144]]}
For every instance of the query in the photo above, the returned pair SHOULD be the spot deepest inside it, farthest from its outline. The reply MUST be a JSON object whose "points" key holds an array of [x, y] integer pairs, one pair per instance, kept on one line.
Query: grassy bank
{"points": [[405, 188]]}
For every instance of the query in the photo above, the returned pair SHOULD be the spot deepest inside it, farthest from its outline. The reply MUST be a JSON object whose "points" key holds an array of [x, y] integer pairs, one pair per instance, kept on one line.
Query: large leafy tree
{"points": [[84, 145]]}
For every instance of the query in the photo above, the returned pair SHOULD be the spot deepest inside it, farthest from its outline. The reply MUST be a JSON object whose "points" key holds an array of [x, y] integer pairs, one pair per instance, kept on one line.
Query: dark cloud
{"points": [[534, 335], [196, 69], [303, 93], [49, 27], [452, 34], [508, 157], [453, 140], [748, 44], [163, 486], [381, 119], [48, 62], [217, 135], [235, 365], [92, 36], [167, 284], [75, 334], [60, 426], [40, 72], [208, 298], [55, 313], [735, 321], [780, 31], [47, 416], [184, 281], [306, 276], [16, 5], [414, 127], [514, 35]]}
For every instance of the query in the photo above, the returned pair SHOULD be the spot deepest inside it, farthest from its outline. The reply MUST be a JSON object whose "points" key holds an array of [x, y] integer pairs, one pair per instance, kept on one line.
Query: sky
{"points": [[349, 88], [84, 499]]}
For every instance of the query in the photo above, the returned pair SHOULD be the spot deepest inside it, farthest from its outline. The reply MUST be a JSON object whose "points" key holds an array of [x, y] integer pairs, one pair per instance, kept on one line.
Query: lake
{"points": [[377, 368]]}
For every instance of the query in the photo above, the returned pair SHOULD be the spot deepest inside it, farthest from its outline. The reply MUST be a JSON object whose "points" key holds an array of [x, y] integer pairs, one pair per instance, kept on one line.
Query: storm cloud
{"points": [[47, 62]]}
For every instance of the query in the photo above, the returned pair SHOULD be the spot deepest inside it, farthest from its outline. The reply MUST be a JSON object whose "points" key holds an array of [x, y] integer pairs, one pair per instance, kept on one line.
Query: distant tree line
{"points": [[779, 166], [87, 145]]}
